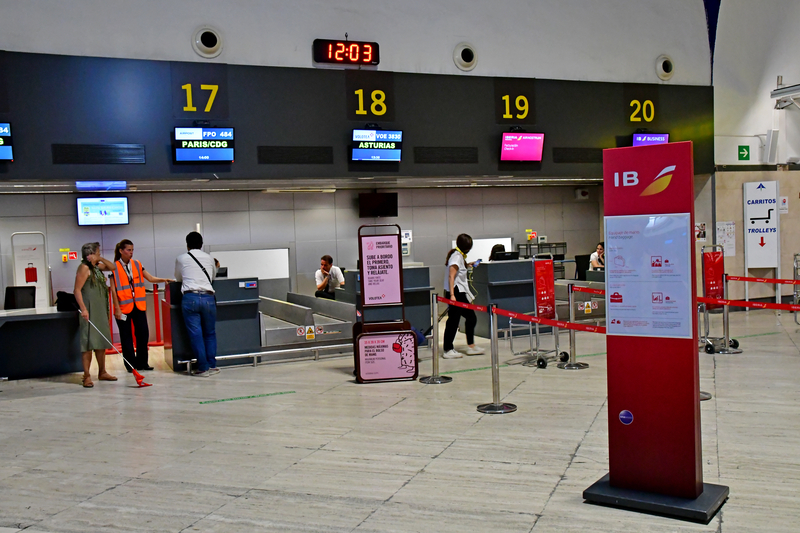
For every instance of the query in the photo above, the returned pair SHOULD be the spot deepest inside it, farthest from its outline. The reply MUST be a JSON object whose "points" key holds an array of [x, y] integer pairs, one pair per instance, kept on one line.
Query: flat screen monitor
{"points": [[20, 298], [645, 139], [102, 211], [522, 147], [203, 145], [377, 145], [377, 204], [506, 256], [6, 151]]}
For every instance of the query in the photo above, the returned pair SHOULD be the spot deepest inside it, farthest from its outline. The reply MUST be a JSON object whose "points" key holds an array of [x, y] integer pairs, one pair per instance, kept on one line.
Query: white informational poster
{"points": [[783, 205], [30, 266], [648, 275], [726, 236], [762, 224], [700, 231]]}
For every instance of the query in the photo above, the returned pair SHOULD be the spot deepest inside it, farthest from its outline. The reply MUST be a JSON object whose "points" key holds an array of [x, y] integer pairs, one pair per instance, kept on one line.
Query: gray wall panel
{"points": [[226, 228], [177, 202], [272, 226], [260, 201], [429, 221], [21, 205], [171, 229], [315, 224], [225, 201]]}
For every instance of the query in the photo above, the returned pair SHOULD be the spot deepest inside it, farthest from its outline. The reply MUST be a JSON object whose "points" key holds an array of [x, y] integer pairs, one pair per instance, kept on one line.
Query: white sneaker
{"points": [[452, 354], [475, 351]]}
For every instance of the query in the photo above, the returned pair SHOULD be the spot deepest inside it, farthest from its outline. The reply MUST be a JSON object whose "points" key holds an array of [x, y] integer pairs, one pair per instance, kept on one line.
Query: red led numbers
{"points": [[345, 52]]}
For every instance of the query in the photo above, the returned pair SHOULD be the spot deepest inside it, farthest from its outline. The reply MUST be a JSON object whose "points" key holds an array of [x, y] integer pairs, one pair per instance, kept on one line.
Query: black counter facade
{"points": [[507, 284]]}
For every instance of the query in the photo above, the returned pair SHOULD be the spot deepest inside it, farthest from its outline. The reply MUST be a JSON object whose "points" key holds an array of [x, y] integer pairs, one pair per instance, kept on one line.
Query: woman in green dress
{"points": [[91, 294]]}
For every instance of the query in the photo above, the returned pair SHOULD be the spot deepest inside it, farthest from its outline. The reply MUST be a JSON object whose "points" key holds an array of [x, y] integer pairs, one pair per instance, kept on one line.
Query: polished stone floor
{"points": [[301, 447]]}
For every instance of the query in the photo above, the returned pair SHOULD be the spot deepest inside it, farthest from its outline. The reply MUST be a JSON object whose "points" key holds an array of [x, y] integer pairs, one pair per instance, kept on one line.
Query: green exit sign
{"points": [[744, 152]]}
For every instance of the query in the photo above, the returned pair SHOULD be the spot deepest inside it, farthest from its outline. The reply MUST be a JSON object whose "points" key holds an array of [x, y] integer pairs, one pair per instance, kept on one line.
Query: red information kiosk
{"points": [[655, 462]]}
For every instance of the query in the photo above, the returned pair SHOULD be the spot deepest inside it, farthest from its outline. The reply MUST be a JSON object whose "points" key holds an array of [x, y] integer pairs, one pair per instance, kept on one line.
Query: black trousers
{"points": [[325, 294], [137, 319], [454, 315]]}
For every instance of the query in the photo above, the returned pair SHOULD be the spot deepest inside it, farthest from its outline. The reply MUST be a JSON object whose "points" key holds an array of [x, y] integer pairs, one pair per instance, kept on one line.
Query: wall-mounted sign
{"points": [[762, 224]]}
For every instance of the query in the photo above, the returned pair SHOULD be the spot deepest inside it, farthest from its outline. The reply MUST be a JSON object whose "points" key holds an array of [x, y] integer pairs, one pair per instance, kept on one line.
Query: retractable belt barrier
{"points": [[589, 290], [766, 280], [754, 305]]}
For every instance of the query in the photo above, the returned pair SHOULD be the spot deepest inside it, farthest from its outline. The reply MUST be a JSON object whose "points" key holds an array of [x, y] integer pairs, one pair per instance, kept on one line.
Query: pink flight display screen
{"points": [[522, 147]]}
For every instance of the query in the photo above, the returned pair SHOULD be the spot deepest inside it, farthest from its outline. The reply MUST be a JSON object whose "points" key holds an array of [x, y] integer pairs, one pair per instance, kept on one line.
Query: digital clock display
{"points": [[346, 52], [6, 153], [203, 145]]}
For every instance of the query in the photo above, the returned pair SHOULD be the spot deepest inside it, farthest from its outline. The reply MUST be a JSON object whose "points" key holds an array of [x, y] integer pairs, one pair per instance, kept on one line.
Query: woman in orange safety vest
{"points": [[130, 304]]}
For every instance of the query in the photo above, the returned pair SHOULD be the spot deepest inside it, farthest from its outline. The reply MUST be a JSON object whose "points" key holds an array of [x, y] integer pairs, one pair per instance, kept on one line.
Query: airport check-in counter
{"points": [[507, 284], [237, 324], [39, 342], [303, 321], [416, 297]]}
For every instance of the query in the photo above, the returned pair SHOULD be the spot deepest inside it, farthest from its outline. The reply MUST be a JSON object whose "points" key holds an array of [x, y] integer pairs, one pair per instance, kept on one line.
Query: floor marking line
{"points": [[249, 397], [471, 370]]}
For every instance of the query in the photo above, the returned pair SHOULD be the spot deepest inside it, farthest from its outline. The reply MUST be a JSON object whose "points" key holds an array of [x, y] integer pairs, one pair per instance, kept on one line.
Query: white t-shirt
{"points": [[335, 278], [461, 278], [595, 257], [191, 276]]}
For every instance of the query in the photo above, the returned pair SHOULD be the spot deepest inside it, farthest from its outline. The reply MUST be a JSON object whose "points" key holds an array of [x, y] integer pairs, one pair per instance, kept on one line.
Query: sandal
{"points": [[87, 382], [105, 376]]}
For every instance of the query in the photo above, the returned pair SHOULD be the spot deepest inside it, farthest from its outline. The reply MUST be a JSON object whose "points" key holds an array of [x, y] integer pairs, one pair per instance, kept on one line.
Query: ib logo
{"points": [[660, 182], [626, 417]]}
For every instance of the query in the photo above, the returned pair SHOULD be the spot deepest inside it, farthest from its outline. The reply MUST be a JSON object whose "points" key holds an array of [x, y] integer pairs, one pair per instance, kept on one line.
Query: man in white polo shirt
{"points": [[196, 270], [328, 277]]}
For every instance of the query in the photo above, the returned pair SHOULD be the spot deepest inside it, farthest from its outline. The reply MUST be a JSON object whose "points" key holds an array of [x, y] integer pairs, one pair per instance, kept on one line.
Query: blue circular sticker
{"points": [[626, 417]]}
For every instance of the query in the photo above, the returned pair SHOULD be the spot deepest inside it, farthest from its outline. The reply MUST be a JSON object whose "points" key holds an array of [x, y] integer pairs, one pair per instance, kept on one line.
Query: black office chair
{"points": [[582, 263], [20, 298]]}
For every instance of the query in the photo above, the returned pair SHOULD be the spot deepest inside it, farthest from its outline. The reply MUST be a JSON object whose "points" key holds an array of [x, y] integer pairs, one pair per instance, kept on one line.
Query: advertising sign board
{"points": [[386, 356], [381, 269], [762, 234]]}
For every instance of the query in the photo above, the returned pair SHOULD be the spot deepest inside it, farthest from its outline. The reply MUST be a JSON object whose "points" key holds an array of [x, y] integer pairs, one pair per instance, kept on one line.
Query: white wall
{"points": [[756, 42], [613, 40], [315, 224]]}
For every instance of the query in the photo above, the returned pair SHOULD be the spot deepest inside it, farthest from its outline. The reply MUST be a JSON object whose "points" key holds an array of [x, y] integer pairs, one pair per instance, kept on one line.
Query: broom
{"points": [[137, 375]]}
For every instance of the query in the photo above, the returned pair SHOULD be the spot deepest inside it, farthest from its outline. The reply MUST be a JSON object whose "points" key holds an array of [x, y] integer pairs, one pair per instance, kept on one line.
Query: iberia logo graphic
{"points": [[660, 182]]}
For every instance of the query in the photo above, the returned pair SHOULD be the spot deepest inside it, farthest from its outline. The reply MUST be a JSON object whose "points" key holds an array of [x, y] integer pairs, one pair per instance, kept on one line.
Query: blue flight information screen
{"points": [[6, 153], [377, 145], [203, 145]]}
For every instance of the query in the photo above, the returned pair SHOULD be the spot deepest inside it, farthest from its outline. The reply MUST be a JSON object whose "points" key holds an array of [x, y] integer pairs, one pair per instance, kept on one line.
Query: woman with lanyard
{"points": [[130, 304], [457, 289]]}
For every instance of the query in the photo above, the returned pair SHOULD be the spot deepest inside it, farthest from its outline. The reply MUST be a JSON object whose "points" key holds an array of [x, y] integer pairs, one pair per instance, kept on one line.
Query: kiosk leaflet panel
{"points": [[648, 265]]}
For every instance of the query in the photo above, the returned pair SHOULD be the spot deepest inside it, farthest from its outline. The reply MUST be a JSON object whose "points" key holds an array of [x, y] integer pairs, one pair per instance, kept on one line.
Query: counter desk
{"points": [[237, 327], [507, 284], [39, 342]]}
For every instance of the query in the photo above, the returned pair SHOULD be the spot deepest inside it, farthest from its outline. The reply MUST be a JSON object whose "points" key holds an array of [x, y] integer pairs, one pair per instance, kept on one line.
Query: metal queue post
{"points": [[795, 293], [496, 407], [435, 378], [572, 364]]}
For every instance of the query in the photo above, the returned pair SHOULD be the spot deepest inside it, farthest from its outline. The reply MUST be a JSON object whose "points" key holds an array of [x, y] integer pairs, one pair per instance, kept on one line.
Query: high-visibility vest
{"points": [[128, 294]]}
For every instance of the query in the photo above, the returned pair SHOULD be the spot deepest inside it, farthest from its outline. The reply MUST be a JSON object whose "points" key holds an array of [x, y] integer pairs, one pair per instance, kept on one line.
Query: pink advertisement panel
{"points": [[381, 268], [387, 355]]}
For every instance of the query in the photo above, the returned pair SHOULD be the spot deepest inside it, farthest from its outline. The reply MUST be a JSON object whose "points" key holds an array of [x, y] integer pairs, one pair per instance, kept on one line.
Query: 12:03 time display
{"points": [[346, 52]]}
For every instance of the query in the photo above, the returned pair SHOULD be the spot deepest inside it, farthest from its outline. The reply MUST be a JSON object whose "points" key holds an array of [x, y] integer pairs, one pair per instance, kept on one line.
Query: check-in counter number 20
{"points": [[642, 110]]}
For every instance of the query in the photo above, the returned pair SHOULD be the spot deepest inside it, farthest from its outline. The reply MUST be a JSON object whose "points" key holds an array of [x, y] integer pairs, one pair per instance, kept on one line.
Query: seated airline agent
{"points": [[196, 270], [328, 277], [130, 304]]}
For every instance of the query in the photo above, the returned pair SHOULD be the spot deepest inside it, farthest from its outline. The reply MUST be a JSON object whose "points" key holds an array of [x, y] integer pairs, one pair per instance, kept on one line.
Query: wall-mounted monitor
{"points": [[203, 145], [522, 147], [645, 139], [377, 145], [6, 152], [377, 204], [102, 211]]}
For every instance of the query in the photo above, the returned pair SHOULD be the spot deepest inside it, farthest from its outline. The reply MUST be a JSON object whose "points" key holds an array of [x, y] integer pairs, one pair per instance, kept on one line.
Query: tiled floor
{"points": [[332, 455]]}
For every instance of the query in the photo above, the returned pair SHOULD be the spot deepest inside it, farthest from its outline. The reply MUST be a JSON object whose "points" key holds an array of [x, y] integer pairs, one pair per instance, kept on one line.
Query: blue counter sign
{"points": [[626, 417]]}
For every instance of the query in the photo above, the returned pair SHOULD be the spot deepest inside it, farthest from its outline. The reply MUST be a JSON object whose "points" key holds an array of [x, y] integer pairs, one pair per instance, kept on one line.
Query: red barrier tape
{"points": [[481, 308], [548, 322], [766, 280], [577, 288], [755, 305]]}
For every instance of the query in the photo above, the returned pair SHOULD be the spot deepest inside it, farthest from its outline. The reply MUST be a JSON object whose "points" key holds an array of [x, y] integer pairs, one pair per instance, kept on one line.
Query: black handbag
{"points": [[65, 301]]}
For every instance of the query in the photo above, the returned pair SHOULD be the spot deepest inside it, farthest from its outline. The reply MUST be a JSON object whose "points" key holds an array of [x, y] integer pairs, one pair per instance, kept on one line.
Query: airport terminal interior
{"points": [[286, 132]]}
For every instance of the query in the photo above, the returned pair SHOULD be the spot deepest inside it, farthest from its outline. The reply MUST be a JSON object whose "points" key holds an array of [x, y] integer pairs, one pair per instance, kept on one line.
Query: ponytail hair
{"points": [[120, 245], [463, 243]]}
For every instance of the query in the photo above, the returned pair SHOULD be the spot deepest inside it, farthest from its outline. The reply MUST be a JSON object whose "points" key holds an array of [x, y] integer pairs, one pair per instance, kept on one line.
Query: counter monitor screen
{"points": [[645, 139], [6, 153], [102, 211], [522, 147], [203, 145], [377, 145]]}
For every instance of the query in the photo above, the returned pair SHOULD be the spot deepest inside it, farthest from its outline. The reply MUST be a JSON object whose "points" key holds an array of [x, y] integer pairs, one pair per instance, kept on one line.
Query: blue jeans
{"points": [[200, 317]]}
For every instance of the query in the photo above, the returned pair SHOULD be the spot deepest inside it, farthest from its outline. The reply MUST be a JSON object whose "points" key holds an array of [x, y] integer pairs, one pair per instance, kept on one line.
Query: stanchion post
{"points": [[573, 364], [726, 333], [435, 378], [156, 313], [495, 408]]}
